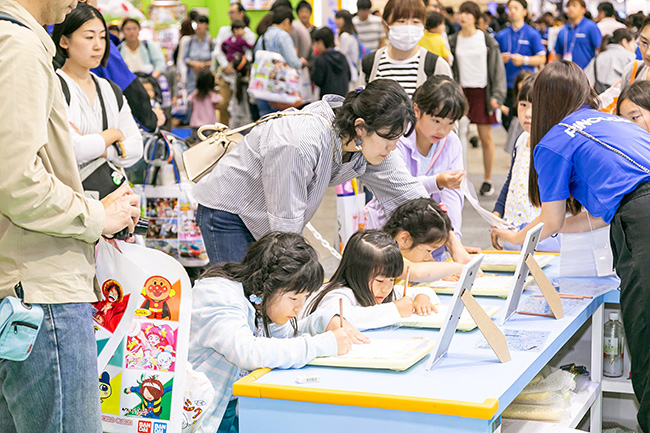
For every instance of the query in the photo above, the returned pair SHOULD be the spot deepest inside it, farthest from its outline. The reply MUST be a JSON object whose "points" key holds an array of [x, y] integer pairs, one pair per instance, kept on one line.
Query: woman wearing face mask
{"points": [[480, 72], [403, 60], [275, 179]]}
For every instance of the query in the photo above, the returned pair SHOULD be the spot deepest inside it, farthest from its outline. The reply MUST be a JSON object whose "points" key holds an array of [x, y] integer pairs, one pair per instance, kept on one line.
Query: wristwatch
{"points": [[526, 59]]}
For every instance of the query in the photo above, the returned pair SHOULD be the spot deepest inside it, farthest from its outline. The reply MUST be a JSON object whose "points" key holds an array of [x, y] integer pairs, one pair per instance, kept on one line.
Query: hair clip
{"points": [[359, 90], [358, 144], [443, 207], [255, 299]]}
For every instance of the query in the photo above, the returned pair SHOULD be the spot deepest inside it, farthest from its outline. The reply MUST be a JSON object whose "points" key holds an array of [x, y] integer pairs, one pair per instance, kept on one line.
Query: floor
{"points": [[475, 231]]}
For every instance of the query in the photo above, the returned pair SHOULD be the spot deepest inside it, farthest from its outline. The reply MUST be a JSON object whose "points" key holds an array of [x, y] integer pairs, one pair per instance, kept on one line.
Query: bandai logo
{"points": [[159, 427], [144, 426]]}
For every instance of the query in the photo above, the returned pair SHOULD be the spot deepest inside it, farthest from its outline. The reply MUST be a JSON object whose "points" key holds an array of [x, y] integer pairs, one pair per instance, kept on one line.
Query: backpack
{"points": [[362, 48], [371, 61], [115, 87]]}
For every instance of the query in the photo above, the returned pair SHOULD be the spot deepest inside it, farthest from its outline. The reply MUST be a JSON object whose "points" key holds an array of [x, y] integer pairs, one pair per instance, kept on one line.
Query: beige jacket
{"points": [[47, 227]]}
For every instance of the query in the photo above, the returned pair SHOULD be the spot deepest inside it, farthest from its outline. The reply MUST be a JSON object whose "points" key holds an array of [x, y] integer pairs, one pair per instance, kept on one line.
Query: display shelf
{"points": [[621, 385]]}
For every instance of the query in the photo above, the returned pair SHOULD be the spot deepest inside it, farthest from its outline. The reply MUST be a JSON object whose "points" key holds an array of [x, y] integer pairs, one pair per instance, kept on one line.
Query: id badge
{"points": [[603, 260], [568, 57]]}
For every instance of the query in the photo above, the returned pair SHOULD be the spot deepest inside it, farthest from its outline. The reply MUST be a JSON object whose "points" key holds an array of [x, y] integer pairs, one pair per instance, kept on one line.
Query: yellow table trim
{"points": [[518, 252], [247, 387]]}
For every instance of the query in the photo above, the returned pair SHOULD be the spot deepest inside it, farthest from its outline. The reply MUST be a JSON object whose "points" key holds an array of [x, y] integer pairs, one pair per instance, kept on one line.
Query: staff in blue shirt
{"points": [[602, 162], [521, 48], [580, 38]]}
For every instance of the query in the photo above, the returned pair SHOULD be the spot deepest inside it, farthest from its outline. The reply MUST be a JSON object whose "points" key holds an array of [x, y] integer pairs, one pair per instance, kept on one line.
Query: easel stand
{"points": [[548, 291], [488, 328]]}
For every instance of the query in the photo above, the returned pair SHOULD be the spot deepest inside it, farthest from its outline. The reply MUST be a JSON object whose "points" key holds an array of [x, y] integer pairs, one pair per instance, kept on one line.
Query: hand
{"points": [[494, 104], [505, 110], [127, 391], [304, 62], [156, 74], [452, 277], [122, 209], [160, 115], [517, 59], [473, 250], [356, 335], [505, 57], [343, 341], [404, 306], [450, 179], [511, 236], [111, 135], [495, 241], [228, 70], [423, 306], [197, 66]]}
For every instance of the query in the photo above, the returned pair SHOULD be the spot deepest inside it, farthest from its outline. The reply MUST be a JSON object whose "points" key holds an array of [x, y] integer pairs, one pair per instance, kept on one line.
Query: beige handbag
{"points": [[201, 158]]}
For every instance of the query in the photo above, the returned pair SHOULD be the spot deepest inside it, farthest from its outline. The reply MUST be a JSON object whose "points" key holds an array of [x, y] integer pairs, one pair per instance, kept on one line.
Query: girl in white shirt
{"points": [[244, 318], [349, 43], [365, 281], [82, 41]]}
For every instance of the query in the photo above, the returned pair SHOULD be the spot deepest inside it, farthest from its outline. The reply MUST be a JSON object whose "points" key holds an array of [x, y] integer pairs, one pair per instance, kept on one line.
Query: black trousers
{"points": [[511, 103], [630, 241]]}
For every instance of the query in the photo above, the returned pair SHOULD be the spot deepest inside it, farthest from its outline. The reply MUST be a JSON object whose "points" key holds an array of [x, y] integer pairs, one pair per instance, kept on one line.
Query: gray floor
{"points": [[475, 230]]}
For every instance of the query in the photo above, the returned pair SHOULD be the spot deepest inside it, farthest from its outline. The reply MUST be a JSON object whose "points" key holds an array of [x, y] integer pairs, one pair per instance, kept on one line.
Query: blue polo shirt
{"points": [[570, 164], [581, 41], [526, 41]]}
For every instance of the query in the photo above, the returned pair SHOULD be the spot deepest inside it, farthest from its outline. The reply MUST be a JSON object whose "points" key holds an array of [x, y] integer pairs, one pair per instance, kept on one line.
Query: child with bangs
{"points": [[365, 282]]}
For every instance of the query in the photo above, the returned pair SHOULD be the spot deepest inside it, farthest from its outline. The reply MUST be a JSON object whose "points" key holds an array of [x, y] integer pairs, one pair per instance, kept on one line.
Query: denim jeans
{"points": [[230, 420], [225, 235], [56, 389]]}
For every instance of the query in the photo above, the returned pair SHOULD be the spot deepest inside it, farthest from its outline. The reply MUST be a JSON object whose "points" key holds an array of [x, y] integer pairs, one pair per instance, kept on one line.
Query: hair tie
{"points": [[443, 207], [255, 299], [359, 90]]}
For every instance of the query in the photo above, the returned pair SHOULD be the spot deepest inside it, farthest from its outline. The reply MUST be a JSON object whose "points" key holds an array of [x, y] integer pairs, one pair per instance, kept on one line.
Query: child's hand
{"points": [[423, 306], [404, 306], [452, 277], [354, 333], [343, 341], [450, 179]]}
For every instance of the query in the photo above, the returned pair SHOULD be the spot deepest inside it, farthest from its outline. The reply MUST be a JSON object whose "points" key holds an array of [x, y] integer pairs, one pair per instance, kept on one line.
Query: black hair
{"points": [[638, 93], [471, 8], [143, 77], [636, 20], [501, 9], [243, 68], [368, 254], [73, 21], [326, 35], [204, 83], [423, 220], [348, 27], [607, 8], [202, 19], [240, 7], [303, 5], [618, 36], [277, 263], [449, 10], [384, 107], [365, 5], [525, 92], [238, 24], [523, 3], [282, 13], [126, 21], [441, 96], [281, 4], [521, 76], [434, 19], [113, 27], [193, 15]]}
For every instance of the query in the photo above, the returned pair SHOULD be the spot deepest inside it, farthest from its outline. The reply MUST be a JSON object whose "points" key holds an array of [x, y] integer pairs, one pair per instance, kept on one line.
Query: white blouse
{"points": [[86, 124]]}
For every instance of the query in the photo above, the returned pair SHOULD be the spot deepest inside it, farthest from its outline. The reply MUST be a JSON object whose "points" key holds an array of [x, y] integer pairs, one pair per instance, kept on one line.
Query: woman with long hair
{"points": [[583, 157]]}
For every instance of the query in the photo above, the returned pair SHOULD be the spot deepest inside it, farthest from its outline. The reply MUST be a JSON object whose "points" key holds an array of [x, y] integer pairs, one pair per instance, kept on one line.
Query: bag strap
{"points": [[430, 62], [607, 146], [101, 103], [595, 71], [6, 17], [635, 71]]}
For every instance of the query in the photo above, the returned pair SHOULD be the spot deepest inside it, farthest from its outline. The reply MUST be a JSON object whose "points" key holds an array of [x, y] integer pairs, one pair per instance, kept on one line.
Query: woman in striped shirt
{"points": [[275, 179]]}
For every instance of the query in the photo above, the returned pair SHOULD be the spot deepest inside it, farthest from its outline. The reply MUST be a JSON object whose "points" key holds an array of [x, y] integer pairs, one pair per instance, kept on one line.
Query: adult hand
{"points": [[517, 60], [122, 209], [423, 306], [304, 62], [228, 70], [505, 57], [473, 250], [450, 179], [160, 115], [111, 135], [494, 104], [511, 236], [404, 306], [343, 341], [156, 74]]}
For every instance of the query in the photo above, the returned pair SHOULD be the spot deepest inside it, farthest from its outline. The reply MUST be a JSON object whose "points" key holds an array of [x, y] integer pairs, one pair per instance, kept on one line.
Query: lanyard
{"points": [[518, 42], [573, 42], [436, 155]]}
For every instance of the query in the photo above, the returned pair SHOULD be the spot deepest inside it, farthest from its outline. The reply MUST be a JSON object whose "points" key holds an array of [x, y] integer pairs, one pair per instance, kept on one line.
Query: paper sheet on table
{"points": [[489, 217], [435, 320], [381, 354], [488, 285], [520, 340], [571, 307], [507, 262]]}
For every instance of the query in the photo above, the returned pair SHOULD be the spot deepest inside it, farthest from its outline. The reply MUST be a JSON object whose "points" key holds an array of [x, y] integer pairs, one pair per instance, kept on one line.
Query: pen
{"points": [[566, 296]]}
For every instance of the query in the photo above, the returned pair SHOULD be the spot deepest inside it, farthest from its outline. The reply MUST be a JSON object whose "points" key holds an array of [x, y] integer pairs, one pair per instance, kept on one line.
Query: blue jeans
{"points": [[230, 421], [225, 235], [56, 389], [265, 108]]}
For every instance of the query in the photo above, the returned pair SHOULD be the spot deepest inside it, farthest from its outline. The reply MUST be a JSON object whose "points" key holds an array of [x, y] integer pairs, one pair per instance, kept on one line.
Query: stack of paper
{"points": [[507, 262], [487, 285], [435, 320]]}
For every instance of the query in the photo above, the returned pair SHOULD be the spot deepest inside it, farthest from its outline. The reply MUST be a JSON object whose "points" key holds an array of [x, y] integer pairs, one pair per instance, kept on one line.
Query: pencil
{"points": [[530, 313], [566, 296], [341, 311], [406, 282]]}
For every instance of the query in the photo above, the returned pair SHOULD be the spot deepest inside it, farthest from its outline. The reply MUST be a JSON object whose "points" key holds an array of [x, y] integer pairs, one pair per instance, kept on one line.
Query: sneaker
{"points": [[474, 141], [486, 189]]}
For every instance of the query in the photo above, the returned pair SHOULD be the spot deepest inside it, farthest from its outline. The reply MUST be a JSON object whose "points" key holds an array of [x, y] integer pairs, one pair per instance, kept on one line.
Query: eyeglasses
{"points": [[642, 44]]}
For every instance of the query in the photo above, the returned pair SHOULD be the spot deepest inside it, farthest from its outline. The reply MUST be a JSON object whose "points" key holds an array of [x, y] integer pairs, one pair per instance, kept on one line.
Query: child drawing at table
{"points": [[365, 282], [244, 318], [513, 204]]}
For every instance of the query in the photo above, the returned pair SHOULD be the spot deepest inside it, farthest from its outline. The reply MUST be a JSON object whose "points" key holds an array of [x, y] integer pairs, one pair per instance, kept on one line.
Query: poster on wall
{"points": [[257, 5], [143, 365]]}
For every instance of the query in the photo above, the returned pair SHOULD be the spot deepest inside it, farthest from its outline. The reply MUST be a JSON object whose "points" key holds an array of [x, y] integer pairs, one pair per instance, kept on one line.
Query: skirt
{"points": [[478, 106]]}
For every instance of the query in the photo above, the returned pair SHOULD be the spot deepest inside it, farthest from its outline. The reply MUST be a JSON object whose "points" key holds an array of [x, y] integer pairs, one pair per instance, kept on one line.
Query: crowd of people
{"points": [[391, 98]]}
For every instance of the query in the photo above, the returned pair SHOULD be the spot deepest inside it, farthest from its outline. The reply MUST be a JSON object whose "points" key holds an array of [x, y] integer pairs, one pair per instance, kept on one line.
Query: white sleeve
{"points": [[133, 145], [376, 316], [412, 292], [87, 148]]}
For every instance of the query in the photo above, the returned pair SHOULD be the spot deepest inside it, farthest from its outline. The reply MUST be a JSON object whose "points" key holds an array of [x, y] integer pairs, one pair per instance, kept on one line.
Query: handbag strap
{"points": [[436, 155], [607, 146]]}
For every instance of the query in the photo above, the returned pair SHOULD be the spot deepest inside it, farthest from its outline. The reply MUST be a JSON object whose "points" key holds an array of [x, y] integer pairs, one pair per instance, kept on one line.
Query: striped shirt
{"points": [[405, 72], [276, 178], [611, 63], [369, 31]]}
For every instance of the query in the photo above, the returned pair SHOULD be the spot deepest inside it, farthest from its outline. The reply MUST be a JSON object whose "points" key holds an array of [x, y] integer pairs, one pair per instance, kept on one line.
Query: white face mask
{"points": [[405, 38]]}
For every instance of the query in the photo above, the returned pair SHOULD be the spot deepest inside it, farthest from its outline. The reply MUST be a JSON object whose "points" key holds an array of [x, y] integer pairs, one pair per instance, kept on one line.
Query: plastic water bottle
{"points": [[614, 344]]}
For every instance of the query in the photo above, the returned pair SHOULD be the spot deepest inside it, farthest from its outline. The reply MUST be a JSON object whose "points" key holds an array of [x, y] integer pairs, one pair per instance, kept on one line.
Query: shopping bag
{"points": [[273, 80], [350, 213], [586, 254]]}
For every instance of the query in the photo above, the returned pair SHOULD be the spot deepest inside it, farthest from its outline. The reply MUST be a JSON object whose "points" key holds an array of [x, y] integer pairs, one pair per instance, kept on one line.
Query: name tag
{"points": [[581, 35], [523, 42]]}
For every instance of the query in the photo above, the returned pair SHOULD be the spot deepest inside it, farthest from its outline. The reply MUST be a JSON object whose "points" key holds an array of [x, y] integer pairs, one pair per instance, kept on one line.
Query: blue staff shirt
{"points": [[526, 41], [568, 163], [581, 41], [115, 70]]}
